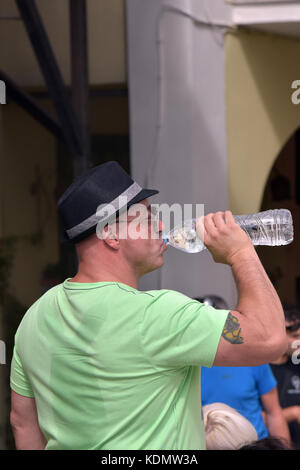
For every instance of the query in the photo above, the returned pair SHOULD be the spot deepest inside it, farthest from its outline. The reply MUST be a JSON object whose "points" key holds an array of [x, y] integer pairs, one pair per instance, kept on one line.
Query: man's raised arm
{"points": [[254, 333]]}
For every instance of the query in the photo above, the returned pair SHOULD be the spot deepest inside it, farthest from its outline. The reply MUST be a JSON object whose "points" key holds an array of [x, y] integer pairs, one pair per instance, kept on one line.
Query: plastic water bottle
{"points": [[272, 227]]}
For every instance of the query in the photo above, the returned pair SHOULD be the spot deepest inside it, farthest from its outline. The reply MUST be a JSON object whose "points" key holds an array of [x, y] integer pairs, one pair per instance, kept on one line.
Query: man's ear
{"points": [[110, 237]]}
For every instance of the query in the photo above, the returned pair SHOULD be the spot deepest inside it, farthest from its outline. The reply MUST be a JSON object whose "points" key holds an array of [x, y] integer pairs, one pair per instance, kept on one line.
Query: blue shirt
{"points": [[240, 388]]}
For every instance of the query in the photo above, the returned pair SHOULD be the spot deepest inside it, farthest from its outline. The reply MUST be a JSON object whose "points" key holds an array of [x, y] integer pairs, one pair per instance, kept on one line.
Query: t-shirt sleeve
{"points": [[179, 331], [18, 380], [265, 379]]}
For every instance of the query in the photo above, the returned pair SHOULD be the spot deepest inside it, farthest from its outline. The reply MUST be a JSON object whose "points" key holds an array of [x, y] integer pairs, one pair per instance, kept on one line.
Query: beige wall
{"points": [[106, 41], [28, 153], [260, 69]]}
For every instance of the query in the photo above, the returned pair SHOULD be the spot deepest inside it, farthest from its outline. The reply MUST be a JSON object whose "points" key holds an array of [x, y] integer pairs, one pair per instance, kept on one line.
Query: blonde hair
{"points": [[225, 428]]}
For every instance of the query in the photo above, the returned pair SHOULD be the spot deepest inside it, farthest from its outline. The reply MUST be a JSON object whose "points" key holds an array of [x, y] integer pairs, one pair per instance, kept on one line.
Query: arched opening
{"points": [[282, 191]]}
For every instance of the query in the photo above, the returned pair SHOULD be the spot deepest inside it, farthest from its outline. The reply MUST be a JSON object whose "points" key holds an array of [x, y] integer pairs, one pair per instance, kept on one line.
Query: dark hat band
{"points": [[106, 211]]}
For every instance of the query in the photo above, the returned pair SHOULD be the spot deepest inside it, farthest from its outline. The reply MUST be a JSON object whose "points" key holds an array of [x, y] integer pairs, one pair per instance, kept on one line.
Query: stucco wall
{"points": [[261, 117]]}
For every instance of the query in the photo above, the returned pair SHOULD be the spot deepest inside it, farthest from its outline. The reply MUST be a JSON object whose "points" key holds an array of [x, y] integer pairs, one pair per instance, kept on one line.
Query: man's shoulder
{"points": [[45, 297], [167, 293], [48, 294], [170, 302]]}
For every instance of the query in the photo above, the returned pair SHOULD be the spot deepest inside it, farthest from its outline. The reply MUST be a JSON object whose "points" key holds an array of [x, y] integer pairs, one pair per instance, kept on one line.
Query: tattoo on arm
{"points": [[232, 330]]}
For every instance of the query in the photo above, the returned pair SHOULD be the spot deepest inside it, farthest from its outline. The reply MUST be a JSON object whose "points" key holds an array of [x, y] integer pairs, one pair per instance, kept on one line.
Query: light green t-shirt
{"points": [[112, 367]]}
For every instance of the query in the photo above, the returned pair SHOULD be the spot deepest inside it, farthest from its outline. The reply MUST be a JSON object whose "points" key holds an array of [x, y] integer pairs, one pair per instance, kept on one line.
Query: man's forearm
{"points": [[29, 439], [257, 298]]}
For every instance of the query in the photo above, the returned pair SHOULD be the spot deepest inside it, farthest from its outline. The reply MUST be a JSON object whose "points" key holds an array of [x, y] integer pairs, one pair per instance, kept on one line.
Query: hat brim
{"points": [[144, 194]]}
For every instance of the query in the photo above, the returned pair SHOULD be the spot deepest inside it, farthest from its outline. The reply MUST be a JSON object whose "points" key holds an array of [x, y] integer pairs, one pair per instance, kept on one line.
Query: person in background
{"points": [[225, 428], [268, 443], [251, 390], [287, 372]]}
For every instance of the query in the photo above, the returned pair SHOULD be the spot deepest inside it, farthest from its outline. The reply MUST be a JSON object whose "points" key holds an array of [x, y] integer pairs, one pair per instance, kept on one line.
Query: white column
{"points": [[178, 127]]}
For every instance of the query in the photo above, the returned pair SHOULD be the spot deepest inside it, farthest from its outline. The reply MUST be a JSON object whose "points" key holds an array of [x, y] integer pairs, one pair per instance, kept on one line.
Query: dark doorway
{"points": [[282, 192]]}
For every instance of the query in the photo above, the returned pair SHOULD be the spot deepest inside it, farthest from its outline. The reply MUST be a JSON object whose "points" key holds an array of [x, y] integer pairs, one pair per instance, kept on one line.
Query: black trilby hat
{"points": [[106, 187]]}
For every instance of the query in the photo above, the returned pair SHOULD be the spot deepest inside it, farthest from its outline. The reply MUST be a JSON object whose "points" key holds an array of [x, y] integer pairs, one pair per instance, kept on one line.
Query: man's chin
{"points": [[159, 264]]}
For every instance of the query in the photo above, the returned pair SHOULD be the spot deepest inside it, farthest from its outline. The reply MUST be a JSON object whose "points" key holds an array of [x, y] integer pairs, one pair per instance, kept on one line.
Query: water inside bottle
{"points": [[185, 238]]}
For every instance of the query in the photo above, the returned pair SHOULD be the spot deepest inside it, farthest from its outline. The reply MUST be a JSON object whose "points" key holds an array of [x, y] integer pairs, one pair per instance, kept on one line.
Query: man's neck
{"points": [[85, 276]]}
